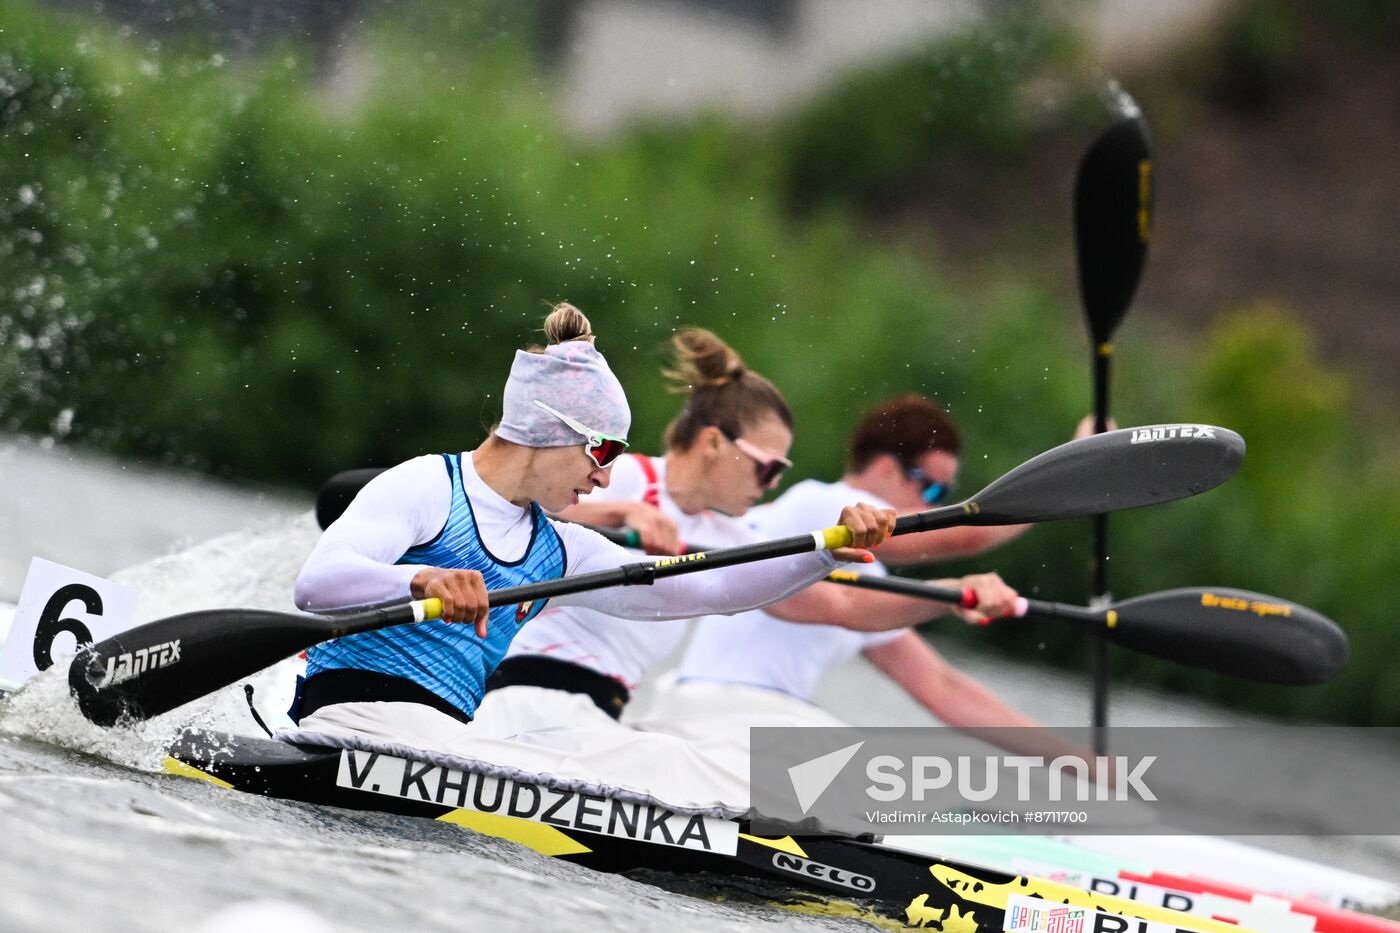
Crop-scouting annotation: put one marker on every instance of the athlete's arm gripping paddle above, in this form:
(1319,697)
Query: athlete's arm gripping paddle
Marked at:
(173,661)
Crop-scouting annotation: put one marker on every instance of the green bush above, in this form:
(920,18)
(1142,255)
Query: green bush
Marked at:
(365,274)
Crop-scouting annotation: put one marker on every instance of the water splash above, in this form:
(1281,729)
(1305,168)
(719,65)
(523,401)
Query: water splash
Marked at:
(1121,102)
(253,568)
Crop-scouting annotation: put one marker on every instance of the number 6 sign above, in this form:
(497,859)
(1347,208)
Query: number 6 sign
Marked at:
(59,609)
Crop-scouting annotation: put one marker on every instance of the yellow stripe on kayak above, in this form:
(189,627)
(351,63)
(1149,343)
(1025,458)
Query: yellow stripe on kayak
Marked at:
(786,844)
(176,766)
(546,840)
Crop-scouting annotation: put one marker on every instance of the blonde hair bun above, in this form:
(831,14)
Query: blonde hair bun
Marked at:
(565,322)
(702,360)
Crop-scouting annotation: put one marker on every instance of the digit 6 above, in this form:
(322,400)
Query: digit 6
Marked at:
(51,623)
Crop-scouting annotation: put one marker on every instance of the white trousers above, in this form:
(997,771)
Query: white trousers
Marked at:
(545,736)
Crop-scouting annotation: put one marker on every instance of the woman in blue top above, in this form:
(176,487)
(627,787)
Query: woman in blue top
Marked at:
(454,526)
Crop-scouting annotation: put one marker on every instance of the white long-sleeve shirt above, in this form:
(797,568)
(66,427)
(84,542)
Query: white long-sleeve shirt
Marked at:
(600,641)
(760,650)
(353,564)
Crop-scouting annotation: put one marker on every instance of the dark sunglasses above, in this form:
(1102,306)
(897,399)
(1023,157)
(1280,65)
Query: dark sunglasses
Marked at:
(932,491)
(768,469)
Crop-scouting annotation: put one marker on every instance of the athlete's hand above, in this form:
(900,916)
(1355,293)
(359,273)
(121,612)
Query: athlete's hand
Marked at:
(869,526)
(658,532)
(995,600)
(1085,427)
(463,594)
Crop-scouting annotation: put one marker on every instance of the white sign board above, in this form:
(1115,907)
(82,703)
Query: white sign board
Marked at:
(59,609)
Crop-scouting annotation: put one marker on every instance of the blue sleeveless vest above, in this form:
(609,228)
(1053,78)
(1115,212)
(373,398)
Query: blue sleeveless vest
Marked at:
(447,658)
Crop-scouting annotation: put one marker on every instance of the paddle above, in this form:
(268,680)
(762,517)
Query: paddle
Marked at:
(1112,221)
(1234,632)
(1127,472)
(1246,635)
(156,667)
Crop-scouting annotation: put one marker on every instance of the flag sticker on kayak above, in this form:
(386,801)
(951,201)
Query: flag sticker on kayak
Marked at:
(1033,915)
(421,781)
(1037,915)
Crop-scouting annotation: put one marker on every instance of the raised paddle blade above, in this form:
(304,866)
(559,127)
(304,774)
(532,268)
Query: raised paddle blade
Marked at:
(1233,632)
(1113,218)
(339,491)
(153,668)
(1109,472)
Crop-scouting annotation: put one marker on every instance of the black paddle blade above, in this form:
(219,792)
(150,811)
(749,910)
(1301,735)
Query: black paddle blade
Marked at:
(1113,219)
(1233,632)
(339,491)
(153,668)
(1110,472)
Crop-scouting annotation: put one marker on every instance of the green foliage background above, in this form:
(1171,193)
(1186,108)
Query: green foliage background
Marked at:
(222,264)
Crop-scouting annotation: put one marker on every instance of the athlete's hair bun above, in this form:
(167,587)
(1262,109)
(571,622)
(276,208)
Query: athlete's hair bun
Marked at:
(701,360)
(565,322)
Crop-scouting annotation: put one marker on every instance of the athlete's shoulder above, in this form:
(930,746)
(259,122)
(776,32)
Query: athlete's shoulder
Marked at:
(420,467)
(419,476)
(811,494)
(586,550)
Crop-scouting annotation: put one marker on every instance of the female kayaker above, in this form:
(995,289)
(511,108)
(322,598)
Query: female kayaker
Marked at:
(905,454)
(728,445)
(454,526)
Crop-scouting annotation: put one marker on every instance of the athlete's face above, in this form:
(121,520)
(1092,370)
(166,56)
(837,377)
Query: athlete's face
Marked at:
(732,469)
(906,493)
(559,475)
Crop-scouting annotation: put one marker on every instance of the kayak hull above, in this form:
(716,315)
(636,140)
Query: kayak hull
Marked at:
(825,874)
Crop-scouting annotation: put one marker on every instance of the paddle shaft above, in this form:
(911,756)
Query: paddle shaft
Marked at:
(1098,582)
(1113,212)
(644,573)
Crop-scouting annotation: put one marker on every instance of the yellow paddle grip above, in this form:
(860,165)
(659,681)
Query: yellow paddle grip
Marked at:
(432,609)
(836,536)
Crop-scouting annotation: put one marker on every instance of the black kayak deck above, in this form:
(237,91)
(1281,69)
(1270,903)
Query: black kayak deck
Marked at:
(828,874)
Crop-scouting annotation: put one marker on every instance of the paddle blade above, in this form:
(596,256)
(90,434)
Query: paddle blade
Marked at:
(153,668)
(1113,219)
(1109,472)
(339,491)
(1233,632)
